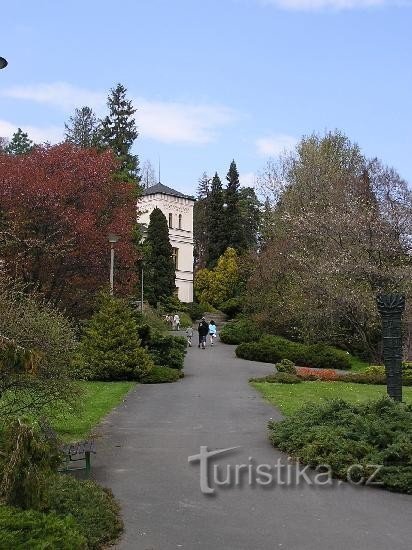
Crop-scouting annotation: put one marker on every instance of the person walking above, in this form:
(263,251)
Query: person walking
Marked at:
(176,322)
(189,336)
(203,330)
(212,332)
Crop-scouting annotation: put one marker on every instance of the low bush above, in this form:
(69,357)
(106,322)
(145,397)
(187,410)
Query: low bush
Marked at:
(286,366)
(94,509)
(342,434)
(278,378)
(308,374)
(167,350)
(160,375)
(239,331)
(232,307)
(272,349)
(185,319)
(29,529)
(195,311)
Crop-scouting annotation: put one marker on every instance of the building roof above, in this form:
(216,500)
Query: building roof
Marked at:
(165,190)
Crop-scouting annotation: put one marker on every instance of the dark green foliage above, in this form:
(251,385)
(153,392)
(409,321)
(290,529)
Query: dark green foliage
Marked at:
(235,231)
(216,223)
(201,222)
(195,311)
(278,378)
(271,349)
(239,331)
(286,366)
(160,375)
(232,307)
(27,459)
(28,529)
(250,212)
(110,347)
(83,128)
(160,269)
(19,144)
(94,509)
(119,132)
(168,351)
(342,434)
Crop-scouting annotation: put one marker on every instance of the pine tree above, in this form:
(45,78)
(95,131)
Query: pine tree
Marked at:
(215,222)
(200,222)
(83,128)
(203,187)
(159,265)
(250,211)
(19,144)
(235,230)
(119,132)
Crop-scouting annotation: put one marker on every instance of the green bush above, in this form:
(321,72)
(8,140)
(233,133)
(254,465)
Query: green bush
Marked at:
(272,349)
(278,378)
(94,509)
(29,529)
(342,434)
(185,320)
(167,350)
(110,348)
(195,311)
(239,331)
(286,366)
(160,375)
(232,307)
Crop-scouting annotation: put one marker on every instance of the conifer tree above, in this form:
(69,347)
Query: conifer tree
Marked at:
(215,222)
(83,128)
(119,132)
(19,144)
(200,222)
(159,265)
(235,230)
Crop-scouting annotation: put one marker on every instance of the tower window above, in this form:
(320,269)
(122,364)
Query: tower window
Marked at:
(175,256)
(180,221)
(170,220)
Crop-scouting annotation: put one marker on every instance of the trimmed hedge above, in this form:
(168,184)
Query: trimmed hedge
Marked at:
(160,375)
(272,349)
(239,331)
(342,434)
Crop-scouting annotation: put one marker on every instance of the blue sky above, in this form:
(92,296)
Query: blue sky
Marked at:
(215,79)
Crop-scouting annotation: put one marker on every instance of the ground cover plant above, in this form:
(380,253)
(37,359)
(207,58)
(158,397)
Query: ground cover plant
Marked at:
(340,434)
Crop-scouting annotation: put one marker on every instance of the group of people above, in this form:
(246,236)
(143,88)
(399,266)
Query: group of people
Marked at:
(204,329)
(173,321)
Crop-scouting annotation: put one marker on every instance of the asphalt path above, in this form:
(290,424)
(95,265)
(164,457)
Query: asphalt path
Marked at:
(143,452)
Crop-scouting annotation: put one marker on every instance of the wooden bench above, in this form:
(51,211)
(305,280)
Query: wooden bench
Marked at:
(73,452)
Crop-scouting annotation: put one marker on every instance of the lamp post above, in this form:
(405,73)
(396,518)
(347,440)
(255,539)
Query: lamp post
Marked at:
(112,240)
(3,63)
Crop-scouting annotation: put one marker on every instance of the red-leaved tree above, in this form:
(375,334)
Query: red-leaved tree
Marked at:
(57,206)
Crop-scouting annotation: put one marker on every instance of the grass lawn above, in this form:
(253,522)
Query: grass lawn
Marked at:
(98,398)
(290,397)
(357,365)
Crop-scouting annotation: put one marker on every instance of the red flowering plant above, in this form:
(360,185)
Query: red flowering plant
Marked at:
(306,373)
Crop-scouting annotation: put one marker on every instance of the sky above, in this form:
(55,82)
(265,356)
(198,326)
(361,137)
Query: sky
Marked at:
(215,80)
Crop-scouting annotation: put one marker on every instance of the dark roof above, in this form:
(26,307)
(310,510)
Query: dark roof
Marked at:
(165,190)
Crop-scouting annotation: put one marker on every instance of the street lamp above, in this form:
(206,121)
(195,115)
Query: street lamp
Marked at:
(112,240)
(3,63)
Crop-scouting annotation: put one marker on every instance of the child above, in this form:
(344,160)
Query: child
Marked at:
(212,331)
(189,336)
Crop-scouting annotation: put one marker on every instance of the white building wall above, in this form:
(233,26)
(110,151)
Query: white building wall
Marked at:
(180,238)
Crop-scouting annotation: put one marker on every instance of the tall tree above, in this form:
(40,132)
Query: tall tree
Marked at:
(250,215)
(235,230)
(119,131)
(216,222)
(200,222)
(20,143)
(159,265)
(83,128)
(147,175)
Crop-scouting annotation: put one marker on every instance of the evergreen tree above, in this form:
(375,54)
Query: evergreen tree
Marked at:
(216,230)
(200,222)
(159,265)
(119,132)
(19,144)
(250,211)
(235,230)
(83,128)
(203,187)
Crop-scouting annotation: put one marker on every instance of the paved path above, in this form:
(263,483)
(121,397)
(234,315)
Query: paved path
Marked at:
(143,457)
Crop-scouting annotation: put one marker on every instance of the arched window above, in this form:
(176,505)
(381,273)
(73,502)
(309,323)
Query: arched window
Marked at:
(170,220)
(180,221)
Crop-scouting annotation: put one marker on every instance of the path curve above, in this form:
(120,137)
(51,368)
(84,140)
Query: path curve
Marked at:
(143,457)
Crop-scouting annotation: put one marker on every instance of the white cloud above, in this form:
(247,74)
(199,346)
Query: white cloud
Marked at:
(310,5)
(165,121)
(52,134)
(275,144)
(248,179)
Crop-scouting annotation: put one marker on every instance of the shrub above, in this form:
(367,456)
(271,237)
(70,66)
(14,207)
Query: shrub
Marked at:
(239,331)
(160,375)
(195,311)
(110,348)
(342,434)
(167,350)
(232,307)
(286,366)
(278,378)
(24,529)
(94,509)
(185,320)
(271,349)
(306,373)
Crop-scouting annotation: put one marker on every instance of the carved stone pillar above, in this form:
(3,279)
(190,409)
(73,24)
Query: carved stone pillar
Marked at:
(391,307)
